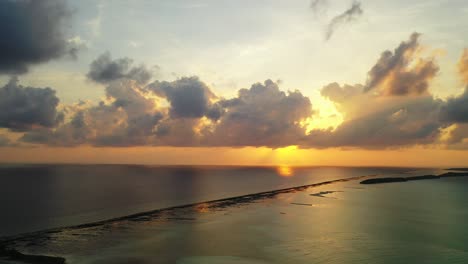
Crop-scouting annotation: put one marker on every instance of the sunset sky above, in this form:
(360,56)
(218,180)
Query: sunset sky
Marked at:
(321,82)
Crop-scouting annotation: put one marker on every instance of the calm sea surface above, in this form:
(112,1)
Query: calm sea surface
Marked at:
(339,222)
(35,197)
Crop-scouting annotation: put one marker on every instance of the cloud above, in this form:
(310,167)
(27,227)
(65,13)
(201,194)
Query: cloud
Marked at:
(188,97)
(375,122)
(23,108)
(456,109)
(401,111)
(346,98)
(261,116)
(463,67)
(128,118)
(318,6)
(457,136)
(402,72)
(390,110)
(336,93)
(352,14)
(179,132)
(32,32)
(5,141)
(105,70)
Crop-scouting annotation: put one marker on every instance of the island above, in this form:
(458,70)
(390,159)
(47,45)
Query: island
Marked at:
(413,178)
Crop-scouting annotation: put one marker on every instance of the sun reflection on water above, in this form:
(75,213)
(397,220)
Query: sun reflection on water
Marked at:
(285,171)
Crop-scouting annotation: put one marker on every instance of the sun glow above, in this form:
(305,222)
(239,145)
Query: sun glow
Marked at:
(285,155)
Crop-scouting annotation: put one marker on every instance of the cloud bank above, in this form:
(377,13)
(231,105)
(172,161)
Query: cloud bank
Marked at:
(393,108)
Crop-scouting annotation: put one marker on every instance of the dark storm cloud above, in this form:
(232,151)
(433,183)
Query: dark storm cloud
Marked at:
(261,116)
(353,13)
(401,73)
(105,70)
(32,32)
(188,97)
(23,108)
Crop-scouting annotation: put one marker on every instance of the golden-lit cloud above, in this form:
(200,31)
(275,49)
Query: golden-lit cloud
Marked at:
(393,109)
(120,110)
(402,72)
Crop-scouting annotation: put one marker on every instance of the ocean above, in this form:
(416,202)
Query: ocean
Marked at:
(36,197)
(334,220)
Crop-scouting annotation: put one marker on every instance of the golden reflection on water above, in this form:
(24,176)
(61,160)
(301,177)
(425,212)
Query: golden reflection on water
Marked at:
(285,171)
(202,208)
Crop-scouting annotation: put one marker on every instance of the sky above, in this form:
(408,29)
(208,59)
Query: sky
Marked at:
(317,82)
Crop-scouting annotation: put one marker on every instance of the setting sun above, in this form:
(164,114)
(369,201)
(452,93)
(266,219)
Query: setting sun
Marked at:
(286,155)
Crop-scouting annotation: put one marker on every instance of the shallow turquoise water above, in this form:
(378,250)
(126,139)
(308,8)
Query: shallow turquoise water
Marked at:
(411,222)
